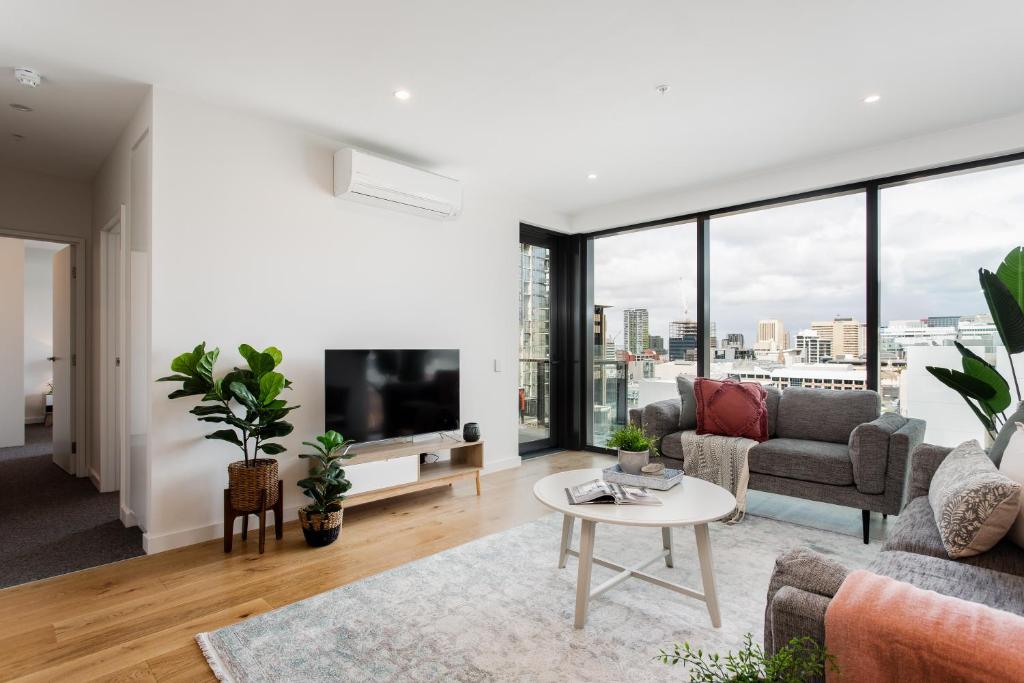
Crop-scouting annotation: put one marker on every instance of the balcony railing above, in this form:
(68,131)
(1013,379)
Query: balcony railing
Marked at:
(534,399)
(611,398)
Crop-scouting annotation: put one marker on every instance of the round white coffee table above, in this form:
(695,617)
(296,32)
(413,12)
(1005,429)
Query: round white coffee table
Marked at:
(693,502)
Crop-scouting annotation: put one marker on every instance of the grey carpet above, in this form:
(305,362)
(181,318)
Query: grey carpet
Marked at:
(38,441)
(52,523)
(499,609)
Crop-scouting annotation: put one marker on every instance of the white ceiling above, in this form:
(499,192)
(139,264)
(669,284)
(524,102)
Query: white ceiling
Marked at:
(537,94)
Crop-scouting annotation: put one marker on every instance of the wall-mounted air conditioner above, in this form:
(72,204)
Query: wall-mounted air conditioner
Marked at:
(369,179)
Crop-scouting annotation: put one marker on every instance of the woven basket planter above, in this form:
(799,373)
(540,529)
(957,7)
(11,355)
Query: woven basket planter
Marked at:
(320,530)
(246,482)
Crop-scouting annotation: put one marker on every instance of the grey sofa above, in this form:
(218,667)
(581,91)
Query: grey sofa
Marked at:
(824,445)
(804,582)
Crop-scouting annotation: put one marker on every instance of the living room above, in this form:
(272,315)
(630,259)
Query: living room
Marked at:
(792,199)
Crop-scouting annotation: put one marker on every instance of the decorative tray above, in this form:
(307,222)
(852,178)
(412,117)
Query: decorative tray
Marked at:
(663,481)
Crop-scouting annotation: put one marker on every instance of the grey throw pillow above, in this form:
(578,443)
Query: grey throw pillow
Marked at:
(974,504)
(688,414)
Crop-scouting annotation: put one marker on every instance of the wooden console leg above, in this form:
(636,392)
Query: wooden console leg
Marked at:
(478,482)
(279,512)
(245,526)
(229,521)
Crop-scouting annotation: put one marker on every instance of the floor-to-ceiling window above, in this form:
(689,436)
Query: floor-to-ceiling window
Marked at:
(934,236)
(788,296)
(644,331)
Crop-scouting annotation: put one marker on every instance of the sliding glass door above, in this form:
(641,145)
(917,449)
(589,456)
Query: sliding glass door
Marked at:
(536,290)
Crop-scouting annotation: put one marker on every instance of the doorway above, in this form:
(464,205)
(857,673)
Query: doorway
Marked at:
(537,398)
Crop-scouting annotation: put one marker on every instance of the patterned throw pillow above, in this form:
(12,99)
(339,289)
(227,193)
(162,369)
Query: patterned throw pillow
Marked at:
(974,504)
(731,408)
(1012,465)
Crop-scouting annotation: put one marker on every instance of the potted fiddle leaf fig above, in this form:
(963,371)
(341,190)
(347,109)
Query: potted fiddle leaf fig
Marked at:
(981,386)
(246,400)
(326,485)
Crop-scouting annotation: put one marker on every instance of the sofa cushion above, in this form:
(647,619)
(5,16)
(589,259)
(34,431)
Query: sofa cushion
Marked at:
(825,414)
(1012,465)
(869,451)
(771,401)
(688,413)
(915,531)
(672,447)
(974,504)
(1003,438)
(817,461)
(955,579)
(728,408)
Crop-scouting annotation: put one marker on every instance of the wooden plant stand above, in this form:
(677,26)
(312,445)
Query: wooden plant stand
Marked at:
(230,513)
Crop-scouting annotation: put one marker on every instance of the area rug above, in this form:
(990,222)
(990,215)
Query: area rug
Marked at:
(499,609)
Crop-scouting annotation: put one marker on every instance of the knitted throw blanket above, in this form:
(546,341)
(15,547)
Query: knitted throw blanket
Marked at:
(721,460)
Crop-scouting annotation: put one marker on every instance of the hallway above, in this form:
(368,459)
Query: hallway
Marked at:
(52,523)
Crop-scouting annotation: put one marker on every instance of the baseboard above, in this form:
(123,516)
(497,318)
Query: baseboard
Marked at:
(158,543)
(505,464)
(95,479)
(128,517)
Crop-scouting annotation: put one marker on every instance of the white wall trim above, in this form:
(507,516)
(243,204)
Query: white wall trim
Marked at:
(128,518)
(503,464)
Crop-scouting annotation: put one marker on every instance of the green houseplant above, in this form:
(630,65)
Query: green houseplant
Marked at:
(981,386)
(326,485)
(247,401)
(634,447)
(802,659)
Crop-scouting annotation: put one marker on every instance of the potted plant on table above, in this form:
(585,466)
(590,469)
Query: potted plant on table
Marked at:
(247,400)
(326,485)
(634,447)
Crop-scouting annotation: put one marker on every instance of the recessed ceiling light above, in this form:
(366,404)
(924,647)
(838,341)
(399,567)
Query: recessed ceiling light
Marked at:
(28,77)
(871,99)
(403,94)
(21,107)
(591,176)
(662,89)
(17,137)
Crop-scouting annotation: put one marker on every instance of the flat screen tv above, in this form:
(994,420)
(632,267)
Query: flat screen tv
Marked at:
(371,395)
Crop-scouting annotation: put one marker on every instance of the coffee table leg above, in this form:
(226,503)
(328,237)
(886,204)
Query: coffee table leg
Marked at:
(583,577)
(563,550)
(707,572)
(666,543)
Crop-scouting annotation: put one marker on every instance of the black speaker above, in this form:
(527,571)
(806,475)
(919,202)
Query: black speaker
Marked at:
(471,432)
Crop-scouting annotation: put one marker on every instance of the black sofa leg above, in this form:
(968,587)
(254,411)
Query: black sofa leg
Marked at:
(866,518)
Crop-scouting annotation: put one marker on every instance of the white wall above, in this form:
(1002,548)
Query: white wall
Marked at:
(12,303)
(43,205)
(112,187)
(990,138)
(38,330)
(249,245)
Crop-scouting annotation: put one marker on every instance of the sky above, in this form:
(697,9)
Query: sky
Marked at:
(806,262)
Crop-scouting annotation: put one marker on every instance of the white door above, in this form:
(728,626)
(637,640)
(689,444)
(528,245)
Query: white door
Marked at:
(62,349)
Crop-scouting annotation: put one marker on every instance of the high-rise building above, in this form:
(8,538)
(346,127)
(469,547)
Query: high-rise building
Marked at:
(769,331)
(658,344)
(600,330)
(682,340)
(848,336)
(942,320)
(813,349)
(714,335)
(734,340)
(635,327)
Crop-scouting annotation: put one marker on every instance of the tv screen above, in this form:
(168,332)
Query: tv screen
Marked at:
(385,393)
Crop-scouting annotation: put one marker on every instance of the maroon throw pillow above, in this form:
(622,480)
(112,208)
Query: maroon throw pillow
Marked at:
(731,408)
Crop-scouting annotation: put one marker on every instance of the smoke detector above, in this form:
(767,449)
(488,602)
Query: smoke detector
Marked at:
(28,77)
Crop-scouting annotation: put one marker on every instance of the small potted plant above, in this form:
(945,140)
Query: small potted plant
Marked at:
(800,660)
(246,400)
(634,447)
(326,485)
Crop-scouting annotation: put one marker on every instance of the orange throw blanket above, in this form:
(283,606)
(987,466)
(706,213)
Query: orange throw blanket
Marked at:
(880,629)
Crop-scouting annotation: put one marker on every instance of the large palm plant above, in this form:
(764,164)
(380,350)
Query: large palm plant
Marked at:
(985,390)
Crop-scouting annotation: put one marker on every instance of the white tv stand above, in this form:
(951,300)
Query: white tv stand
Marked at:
(467,459)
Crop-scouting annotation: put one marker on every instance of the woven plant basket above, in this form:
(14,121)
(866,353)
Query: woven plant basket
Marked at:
(320,530)
(246,482)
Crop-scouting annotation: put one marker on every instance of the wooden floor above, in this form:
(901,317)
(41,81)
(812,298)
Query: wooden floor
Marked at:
(135,620)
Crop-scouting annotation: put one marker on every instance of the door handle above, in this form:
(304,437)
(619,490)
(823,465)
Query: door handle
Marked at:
(51,358)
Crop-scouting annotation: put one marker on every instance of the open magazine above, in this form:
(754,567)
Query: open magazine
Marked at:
(600,491)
